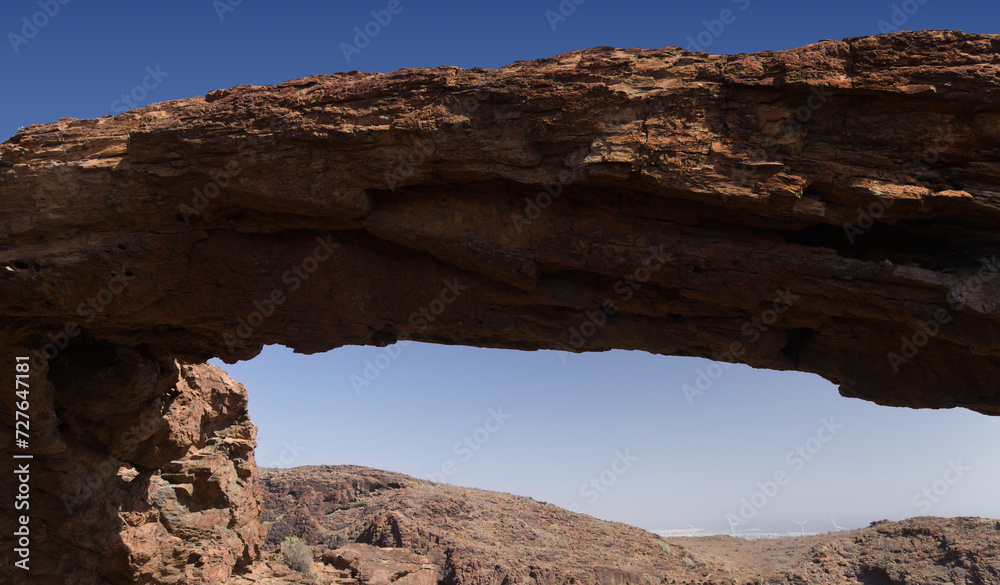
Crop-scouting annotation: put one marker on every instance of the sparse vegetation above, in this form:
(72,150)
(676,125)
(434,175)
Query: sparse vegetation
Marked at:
(517,532)
(269,523)
(297,554)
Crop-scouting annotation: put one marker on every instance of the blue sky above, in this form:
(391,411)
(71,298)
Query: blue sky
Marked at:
(610,434)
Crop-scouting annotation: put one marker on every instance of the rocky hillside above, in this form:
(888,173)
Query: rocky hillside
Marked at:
(369,526)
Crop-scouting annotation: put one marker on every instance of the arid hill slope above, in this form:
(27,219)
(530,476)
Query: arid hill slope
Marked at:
(476,537)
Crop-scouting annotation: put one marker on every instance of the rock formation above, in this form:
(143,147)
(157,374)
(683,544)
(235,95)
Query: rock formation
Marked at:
(475,537)
(830,209)
(143,472)
(352,564)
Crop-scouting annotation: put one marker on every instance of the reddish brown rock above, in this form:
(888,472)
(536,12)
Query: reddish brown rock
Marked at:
(353,564)
(476,537)
(383,566)
(143,472)
(199,518)
(473,536)
(831,209)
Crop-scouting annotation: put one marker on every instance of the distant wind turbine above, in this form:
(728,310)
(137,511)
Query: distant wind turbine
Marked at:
(802,525)
(836,528)
(732,524)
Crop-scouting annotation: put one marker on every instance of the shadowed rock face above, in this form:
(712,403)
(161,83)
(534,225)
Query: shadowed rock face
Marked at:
(830,209)
(143,471)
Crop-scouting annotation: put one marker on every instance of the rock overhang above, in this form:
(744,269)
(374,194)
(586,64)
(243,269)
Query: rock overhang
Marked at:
(830,209)
(856,177)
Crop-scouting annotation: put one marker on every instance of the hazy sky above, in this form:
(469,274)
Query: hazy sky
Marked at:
(611,434)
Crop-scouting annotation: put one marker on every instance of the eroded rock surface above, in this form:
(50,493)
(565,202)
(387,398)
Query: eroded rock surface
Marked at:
(143,472)
(831,208)
(474,536)
(198,519)
(352,564)
(477,537)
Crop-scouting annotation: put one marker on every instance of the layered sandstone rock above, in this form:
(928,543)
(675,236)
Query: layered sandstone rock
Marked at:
(830,209)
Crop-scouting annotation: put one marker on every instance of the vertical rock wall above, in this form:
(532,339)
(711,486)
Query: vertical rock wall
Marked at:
(142,470)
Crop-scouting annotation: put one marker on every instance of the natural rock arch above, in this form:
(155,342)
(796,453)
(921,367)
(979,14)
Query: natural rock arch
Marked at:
(830,209)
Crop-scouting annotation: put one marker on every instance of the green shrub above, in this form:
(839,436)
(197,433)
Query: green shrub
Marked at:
(297,554)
